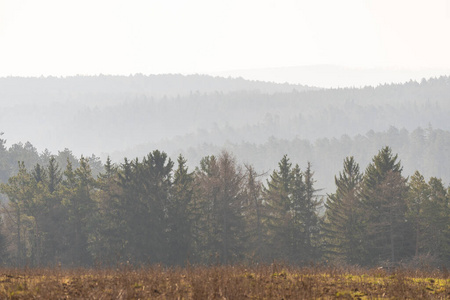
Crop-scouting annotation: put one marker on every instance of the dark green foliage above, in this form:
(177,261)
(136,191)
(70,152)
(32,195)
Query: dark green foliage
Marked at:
(108,234)
(181,216)
(54,175)
(255,211)
(142,205)
(418,195)
(429,216)
(54,214)
(39,174)
(384,206)
(81,210)
(146,211)
(222,229)
(344,222)
(19,190)
(277,198)
(293,220)
(310,218)
(436,211)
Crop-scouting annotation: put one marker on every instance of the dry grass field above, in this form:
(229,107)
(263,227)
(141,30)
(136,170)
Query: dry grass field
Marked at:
(222,282)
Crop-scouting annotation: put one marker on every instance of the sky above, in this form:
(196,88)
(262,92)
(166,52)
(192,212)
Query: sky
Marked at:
(65,37)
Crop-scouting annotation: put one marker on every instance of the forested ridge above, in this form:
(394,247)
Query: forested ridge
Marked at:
(156,210)
(424,149)
(126,116)
(245,173)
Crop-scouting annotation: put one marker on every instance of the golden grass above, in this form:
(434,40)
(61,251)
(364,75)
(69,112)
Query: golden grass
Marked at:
(221,282)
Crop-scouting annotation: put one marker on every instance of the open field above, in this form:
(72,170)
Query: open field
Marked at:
(222,282)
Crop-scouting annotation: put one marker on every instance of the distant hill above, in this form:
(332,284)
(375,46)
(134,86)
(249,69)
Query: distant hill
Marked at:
(426,150)
(199,115)
(108,89)
(132,115)
(332,76)
(254,117)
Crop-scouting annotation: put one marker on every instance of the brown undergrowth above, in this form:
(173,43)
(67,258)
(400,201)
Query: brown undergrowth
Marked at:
(274,281)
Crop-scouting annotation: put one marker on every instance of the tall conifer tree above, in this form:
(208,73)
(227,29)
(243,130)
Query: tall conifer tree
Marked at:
(277,198)
(384,201)
(181,215)
(343,216)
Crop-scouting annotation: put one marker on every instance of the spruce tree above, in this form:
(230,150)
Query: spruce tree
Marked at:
(54,223)
(277,198)
(108,235)
(143,200)
(54,174)
(310,216)
(81,209)
(384,201)
(437,213)
(181,215)
(221,190)
(343,221)
(418,195)
(296,226)
(20,193)
(255,212)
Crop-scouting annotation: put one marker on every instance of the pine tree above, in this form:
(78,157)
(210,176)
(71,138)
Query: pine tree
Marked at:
(418,195)
(20,193)
(181,216)
(255,212)
(54,174)
(343,222)
(277,198)
(108,236)
(143,202)
(125,211)
(39,173)
(384,201)
(221,191)
(297,227)
(54,215)
(436,212)
(156,177)
(81,210)
(311,220)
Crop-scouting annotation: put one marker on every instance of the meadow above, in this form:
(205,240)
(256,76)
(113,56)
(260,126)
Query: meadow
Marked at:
(275,281)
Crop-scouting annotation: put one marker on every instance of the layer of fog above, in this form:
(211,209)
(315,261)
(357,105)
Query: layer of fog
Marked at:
(196,115)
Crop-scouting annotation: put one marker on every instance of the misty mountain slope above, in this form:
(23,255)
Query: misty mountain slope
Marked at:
(106,114)
(109,89)
(254,117)
(426,150)
(336,76)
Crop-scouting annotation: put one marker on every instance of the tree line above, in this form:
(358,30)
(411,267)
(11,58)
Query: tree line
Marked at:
(155,210)
(424,149)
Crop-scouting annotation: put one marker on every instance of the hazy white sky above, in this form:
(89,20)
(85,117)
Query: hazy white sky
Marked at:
(62,37)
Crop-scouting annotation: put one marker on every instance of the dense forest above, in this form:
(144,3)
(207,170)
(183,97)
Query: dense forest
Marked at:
(125,116)
(251,172)
(426,150)
(197,115)
(156,210)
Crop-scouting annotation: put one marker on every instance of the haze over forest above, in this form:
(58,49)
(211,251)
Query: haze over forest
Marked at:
(199,115)
(268,181)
